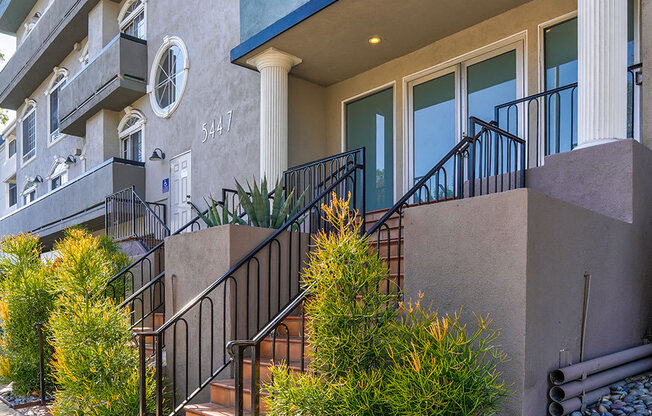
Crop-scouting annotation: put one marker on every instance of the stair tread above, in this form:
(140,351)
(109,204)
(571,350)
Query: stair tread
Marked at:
(230,385)
(211,409)
(283,338)
(294,364)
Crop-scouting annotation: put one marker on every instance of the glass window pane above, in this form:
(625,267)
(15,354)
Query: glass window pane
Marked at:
(29,135)
(54,111)
(434,128)
(490,83)
(370,124)
(560,54)
(13,194)
(12,148)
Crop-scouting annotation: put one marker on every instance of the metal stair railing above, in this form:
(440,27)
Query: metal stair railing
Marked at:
(548,120)
(240,302)
(490,160)
(129,216)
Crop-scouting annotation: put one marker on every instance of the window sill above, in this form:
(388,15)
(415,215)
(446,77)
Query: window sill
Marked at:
(60,137)
(28,161)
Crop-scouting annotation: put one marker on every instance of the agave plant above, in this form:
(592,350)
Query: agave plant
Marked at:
(214,217)
(261,213)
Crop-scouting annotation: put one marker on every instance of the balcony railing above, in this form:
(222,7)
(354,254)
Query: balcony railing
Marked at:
(115,78)
(79,201)
(548,120)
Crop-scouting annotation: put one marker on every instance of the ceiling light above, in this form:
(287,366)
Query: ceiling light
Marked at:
(375,40)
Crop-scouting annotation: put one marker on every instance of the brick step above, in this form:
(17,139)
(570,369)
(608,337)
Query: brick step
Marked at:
(265,365)
(223,393)
(294,324)
(268,352)
(387,247)
(210,409)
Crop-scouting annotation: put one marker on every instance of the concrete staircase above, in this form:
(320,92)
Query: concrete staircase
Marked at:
(222,392)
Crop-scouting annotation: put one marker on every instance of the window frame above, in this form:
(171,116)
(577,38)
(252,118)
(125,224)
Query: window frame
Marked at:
(125,133)
(28,111)
(58,80)
(168,42)
(58,170)
(15,188)
(125,20)
(29,190)
(11,148)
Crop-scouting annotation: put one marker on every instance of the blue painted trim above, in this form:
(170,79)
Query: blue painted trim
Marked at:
(293,18)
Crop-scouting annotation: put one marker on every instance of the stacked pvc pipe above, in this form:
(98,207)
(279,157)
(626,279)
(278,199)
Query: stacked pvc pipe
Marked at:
(586,382)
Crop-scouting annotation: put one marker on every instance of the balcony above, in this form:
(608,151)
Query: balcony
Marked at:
(62,24)
(112,80)
(79,201)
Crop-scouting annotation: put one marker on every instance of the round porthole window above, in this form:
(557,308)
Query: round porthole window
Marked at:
(168,76)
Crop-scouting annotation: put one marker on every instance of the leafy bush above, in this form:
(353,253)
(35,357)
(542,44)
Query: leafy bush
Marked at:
(256,204)
(25,299)
(370,357)
(95,365)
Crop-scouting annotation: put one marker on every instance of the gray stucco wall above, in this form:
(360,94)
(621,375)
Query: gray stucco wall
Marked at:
(522,257)
(193,261)
(214,87)
(646,59)
(256,15)
(573,177)
(473,254)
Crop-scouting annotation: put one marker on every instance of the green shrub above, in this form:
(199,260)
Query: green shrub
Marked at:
(25,299)
(95,364)
(372,359)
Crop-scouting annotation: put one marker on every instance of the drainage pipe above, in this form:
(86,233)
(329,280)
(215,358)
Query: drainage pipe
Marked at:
(577,371)
(571,405)
(575,388)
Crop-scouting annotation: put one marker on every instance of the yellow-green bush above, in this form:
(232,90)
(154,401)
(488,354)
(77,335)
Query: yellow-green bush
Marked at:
(25,299)
(372,359)
(95,365)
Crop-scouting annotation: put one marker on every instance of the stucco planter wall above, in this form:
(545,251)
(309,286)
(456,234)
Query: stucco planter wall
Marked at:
(522,257)
(194,261)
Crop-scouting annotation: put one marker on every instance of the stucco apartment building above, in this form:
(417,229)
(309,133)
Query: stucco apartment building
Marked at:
(171,100)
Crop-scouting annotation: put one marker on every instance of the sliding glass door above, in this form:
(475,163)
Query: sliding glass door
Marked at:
(442,101)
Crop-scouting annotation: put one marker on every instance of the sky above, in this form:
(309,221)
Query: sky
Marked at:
(7,47)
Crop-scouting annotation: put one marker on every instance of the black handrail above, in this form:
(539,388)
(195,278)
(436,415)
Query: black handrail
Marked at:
(471,149)
(306,221)
(545,124)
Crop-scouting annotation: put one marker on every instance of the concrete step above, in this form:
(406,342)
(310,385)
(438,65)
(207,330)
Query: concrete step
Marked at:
(268,352)
(223,394)
(265,368)
(211,409)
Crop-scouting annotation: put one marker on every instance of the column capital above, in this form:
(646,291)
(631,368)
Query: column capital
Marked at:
(273,57)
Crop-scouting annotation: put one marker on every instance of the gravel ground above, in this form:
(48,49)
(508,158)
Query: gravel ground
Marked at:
(35,411)
(632,396)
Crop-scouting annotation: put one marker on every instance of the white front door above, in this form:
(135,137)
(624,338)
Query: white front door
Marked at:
(180,191)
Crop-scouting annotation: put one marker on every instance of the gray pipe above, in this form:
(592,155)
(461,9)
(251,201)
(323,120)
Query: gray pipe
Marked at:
(575,388)
(576,371)
(571,405)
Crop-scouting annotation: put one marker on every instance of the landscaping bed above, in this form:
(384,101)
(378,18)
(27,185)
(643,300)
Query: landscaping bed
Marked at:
(632,396)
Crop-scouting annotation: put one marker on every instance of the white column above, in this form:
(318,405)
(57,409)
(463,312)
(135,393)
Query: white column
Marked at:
(274,66)
(602,71)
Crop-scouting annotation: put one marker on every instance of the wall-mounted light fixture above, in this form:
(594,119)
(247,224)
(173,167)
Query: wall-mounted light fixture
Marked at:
(70,160)
(38,179)
(158,154)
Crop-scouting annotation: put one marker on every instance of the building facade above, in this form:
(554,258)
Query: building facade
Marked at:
(174,100)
